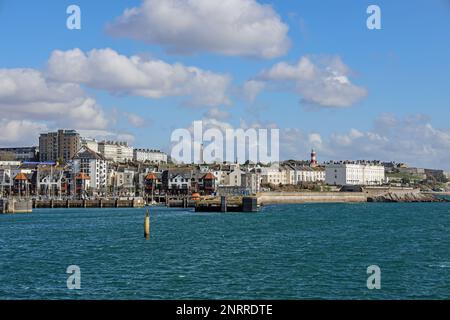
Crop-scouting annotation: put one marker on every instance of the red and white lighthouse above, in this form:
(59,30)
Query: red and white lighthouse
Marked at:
(313,162)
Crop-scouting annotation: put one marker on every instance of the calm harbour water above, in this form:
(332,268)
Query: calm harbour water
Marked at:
(283,252)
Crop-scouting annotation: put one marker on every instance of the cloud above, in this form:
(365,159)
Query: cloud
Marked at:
(26,94)
(218,114)
(31,104)
(108,70)
(20,132)
(252,88)
(108,135)
(228,27)
(411,139)
(321,82)
(135,120)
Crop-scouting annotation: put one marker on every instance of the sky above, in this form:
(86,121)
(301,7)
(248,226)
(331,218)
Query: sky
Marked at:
(139,69)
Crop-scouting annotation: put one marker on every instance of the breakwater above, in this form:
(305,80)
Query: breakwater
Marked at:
(367,195)
(267,198)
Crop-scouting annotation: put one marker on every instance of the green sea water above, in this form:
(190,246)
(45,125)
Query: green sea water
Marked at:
(310,251)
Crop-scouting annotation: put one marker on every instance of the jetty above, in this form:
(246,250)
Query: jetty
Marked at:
(13,205)
(227,204)
(97,203)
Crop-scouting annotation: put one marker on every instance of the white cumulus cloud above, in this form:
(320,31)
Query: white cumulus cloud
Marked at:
(323,82)
(108,70)
(20,132)
(29,95)
(228,27)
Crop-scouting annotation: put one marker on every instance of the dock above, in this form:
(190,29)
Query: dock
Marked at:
(228,204)
(98,203)
(12,206)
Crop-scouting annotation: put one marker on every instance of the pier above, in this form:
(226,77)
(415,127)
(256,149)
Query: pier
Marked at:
(228,204)
(98,203)
(15,206)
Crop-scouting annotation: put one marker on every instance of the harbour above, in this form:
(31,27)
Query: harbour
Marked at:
(289,251)
(227,203)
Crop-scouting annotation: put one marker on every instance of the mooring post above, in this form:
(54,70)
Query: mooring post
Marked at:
(223,204)
(147,225)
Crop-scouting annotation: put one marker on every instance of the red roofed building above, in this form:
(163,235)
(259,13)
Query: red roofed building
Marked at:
(21,184)
(209,183)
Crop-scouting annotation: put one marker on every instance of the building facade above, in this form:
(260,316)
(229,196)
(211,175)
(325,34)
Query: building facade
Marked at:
(274,175)
(116,151)
(61,145)
(27,154)
(304,174)
(152,156)
(354,173)
(93,165)
(90,143)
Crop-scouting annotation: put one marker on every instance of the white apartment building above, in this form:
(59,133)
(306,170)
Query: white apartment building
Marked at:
(116,151)
(234,178)
(346,173)
(93,164)
(90,143)
(309,174)
(274,175)
(153,156)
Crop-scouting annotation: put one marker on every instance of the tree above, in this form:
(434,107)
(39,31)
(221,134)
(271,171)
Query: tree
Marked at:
(406,180)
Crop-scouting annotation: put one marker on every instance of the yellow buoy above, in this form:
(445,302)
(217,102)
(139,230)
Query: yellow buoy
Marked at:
(147,225)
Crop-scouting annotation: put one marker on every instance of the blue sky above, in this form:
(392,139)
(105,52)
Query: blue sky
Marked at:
(403,70)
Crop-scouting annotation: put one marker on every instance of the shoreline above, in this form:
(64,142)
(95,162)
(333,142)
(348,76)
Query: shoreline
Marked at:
(262,199)
(271,198)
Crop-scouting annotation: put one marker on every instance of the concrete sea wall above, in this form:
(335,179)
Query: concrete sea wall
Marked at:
(16,206)
(305,197)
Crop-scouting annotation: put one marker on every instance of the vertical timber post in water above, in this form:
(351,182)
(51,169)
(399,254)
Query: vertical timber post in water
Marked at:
(223,204)
(147,225)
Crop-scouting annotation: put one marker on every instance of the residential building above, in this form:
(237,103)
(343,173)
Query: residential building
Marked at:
(50,180)
(354,173)
(251,181)
(275,175)
(92,164)
(116,151)
(152,156)
(61,145)
(10,163)
(90,143)
(27,154)
(234,178)
(305,174)
(178,181)
(6,180)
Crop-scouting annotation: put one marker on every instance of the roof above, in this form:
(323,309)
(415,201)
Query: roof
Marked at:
(21,176)
(209,176)
(151,176)
(182,172)
(82,176)
(86,153)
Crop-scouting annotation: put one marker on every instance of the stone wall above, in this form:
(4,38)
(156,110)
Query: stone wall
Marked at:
(305,197)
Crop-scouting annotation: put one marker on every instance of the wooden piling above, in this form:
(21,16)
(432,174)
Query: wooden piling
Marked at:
(223,204)
(147,225)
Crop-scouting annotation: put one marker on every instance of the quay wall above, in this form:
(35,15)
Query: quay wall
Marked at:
(266,198)
(100,203)
(16,206)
